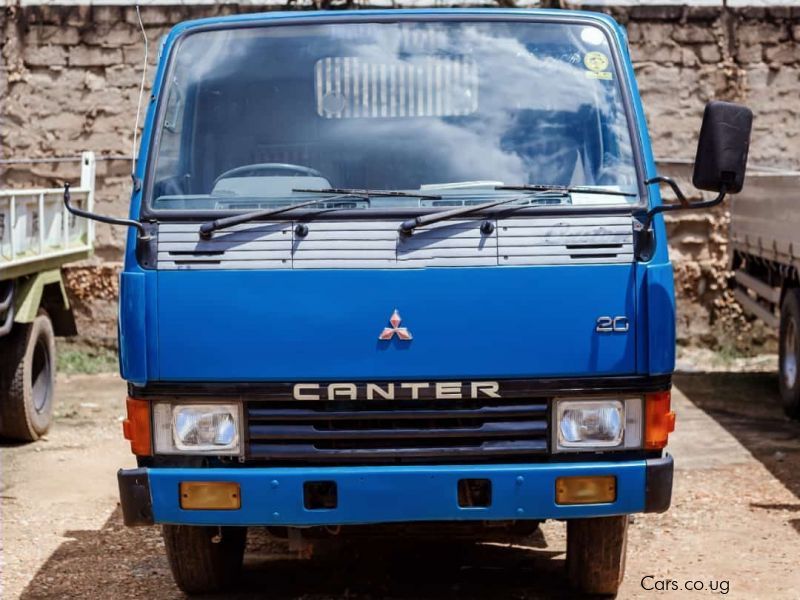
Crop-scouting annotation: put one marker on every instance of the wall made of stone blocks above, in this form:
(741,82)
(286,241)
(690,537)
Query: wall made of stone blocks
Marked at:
(71,75)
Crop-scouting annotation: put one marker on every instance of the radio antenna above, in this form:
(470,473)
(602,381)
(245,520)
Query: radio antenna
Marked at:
(139,103)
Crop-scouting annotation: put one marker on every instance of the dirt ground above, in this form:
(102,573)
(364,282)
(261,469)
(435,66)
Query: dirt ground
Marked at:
(734,524)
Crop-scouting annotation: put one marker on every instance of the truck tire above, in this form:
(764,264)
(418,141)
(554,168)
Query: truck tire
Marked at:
(199,563)
(27,380)
(789,353)
(596,550)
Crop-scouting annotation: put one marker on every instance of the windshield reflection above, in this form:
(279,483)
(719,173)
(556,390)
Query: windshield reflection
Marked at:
(389,106)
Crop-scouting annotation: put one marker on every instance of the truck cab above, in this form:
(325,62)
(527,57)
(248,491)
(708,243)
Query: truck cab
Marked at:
(396,267)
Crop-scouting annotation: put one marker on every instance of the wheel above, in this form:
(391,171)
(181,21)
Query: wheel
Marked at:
(596,551)
(204,559)
(27,379)
(789,381)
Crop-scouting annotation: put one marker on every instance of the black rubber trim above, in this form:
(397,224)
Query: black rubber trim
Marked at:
(509,388)
(134,497)
(658,494)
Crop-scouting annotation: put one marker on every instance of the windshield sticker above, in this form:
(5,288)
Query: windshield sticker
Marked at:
(596,63)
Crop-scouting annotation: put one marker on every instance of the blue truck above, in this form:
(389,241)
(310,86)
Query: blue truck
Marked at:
(401,267)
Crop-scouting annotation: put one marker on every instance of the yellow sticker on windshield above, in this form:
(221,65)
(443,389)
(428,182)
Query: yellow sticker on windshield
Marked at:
(595,61)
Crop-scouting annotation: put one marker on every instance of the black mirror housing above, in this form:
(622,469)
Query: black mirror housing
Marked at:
(722,147)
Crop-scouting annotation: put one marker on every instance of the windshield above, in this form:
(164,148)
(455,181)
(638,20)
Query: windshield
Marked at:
(450,109)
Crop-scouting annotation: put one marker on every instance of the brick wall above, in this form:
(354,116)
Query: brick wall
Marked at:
(71,73)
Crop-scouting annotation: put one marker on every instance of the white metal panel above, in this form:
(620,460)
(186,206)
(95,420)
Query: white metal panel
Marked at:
(35,227)
(364,244)
(245,246)
(565,240)
(346,245)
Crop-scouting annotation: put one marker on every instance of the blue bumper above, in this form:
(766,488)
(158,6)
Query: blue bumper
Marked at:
(275,496)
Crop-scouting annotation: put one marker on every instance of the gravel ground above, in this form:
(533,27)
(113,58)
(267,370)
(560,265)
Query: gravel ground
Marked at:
(734,523)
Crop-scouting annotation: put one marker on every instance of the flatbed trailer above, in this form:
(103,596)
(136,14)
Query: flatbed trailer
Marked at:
(765,255)
(38,236)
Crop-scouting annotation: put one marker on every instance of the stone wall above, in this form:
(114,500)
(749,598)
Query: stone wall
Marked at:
(71,74)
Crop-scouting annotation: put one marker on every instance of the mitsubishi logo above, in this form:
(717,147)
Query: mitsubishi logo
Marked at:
(388,332)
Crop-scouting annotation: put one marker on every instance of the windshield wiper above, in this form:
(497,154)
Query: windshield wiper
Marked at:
(206,229)
(368,193)
(408,226)
(564,189)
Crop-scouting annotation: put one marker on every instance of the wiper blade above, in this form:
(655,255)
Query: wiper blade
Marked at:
(408,226)
(368,193)
(206,229)
(562,189)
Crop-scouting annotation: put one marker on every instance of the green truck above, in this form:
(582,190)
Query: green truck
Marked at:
(37,237)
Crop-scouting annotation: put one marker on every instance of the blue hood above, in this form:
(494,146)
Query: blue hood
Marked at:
(325,325)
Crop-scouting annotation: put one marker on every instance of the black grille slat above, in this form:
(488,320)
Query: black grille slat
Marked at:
(352,431)
(299,414)
(306,432)
(310,452)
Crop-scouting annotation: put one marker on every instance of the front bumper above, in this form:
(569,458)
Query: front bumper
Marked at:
(368,495)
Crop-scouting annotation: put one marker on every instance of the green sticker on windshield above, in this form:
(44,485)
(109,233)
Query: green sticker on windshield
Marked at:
(597,63)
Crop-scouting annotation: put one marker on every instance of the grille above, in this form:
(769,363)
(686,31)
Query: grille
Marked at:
(567,240)
(351,431)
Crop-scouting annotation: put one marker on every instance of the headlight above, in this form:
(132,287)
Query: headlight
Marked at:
(597,424)
(196,428)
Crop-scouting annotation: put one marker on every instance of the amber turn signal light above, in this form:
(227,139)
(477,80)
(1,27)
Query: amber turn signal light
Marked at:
(210,495)
(659,420)
(136,427)
(599,489)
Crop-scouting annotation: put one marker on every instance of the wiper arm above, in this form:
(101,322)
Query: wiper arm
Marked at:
(408,226)
(564,189)
(368,193)
(206,229)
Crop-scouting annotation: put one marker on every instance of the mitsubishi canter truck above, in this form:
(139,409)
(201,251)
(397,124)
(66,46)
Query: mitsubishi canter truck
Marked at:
(401,267)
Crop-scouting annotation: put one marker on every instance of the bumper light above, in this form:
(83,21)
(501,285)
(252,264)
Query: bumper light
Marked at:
(210,495)
(196,428)
(586,490)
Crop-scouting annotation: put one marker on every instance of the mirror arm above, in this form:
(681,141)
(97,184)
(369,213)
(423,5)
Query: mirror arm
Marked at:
(683,202)
(142,232)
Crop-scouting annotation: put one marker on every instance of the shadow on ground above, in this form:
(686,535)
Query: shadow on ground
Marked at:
(119,562)
(748,406)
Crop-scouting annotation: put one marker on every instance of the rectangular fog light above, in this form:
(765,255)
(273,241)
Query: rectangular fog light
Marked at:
(586,490)
(210,495)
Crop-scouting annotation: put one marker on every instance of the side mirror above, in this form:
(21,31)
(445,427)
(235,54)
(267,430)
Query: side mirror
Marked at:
(721,159)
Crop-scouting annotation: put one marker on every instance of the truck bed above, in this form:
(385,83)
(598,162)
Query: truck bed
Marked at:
(36,231)
(765,241)
(765,217)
